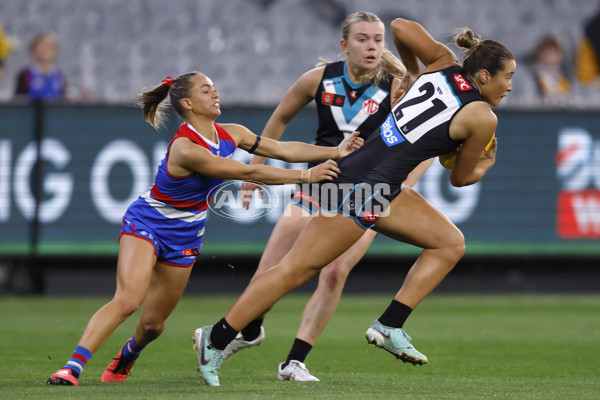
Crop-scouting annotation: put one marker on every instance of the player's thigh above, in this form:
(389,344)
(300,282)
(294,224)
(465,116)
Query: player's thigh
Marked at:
(412,219)
(324,239)
(348,260)
(287,229)
(166,288)
(135,266)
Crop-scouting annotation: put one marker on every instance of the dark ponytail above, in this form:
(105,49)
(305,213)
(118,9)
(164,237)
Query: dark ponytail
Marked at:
(481,54)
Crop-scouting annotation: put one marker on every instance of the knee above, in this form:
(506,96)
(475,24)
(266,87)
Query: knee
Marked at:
(308,273)
(152,329)
(126,305)
(333,277)
(298,274)
(455,246)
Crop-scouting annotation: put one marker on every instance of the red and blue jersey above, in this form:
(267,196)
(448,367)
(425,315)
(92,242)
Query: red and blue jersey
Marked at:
(190,192)
(34,82)
(173,211)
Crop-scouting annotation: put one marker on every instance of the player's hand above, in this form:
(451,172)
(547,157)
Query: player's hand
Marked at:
(349,144)
(397,95)
(248,189)
(325,171)
(405,84)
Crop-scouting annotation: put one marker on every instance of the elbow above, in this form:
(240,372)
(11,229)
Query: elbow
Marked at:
(458,182)
(283,153)
(253,173)
(249,172)
(291,157)
(288,158)
(398,24)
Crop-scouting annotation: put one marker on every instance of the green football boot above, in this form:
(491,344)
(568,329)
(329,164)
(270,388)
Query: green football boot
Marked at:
(209,358)
(395,341)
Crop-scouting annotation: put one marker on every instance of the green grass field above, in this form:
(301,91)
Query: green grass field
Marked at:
(479,347)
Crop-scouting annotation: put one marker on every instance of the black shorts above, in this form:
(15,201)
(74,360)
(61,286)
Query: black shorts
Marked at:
(363,202)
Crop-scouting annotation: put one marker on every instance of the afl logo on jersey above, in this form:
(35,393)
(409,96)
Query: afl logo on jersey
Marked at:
(332,99)
(370,106)
(462,83)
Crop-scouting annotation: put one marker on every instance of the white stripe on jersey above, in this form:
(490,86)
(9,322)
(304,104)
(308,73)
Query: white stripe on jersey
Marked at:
(338,113)
(171,212)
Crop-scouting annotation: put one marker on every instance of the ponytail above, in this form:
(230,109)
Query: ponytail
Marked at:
(152,105)
(481,54)
(151,101)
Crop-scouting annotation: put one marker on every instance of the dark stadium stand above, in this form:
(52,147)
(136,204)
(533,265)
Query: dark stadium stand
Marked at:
(254,49)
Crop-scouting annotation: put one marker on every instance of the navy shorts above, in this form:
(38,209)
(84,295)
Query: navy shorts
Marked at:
(164,254)
(363,202)
(302,198)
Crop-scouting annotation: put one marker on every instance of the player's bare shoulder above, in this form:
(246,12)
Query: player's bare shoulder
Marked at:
(309,81)
(313,75)
(235,129)
(482,115)
(239,133)
(474,116)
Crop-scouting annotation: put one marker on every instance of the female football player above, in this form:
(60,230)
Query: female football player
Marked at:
(447,105)
(162,231)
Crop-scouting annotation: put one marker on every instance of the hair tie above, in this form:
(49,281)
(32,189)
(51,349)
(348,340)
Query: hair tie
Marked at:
(168,81)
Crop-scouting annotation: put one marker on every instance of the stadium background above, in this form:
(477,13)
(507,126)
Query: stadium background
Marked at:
(532,224)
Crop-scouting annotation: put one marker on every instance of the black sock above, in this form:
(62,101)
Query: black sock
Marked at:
(252,330)
(222,334)
(299,351)
(396,314)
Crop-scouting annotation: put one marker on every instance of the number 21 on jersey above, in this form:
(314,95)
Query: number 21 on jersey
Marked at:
(428,104)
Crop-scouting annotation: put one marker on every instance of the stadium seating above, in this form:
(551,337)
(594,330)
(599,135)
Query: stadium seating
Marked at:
(253,49)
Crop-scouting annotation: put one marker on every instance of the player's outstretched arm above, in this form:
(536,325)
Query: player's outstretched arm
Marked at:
(186,157)
(290,151)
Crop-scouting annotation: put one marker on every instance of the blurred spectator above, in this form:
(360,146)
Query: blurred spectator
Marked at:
(587,61)
(549,73)
(7,45)
(42,78)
